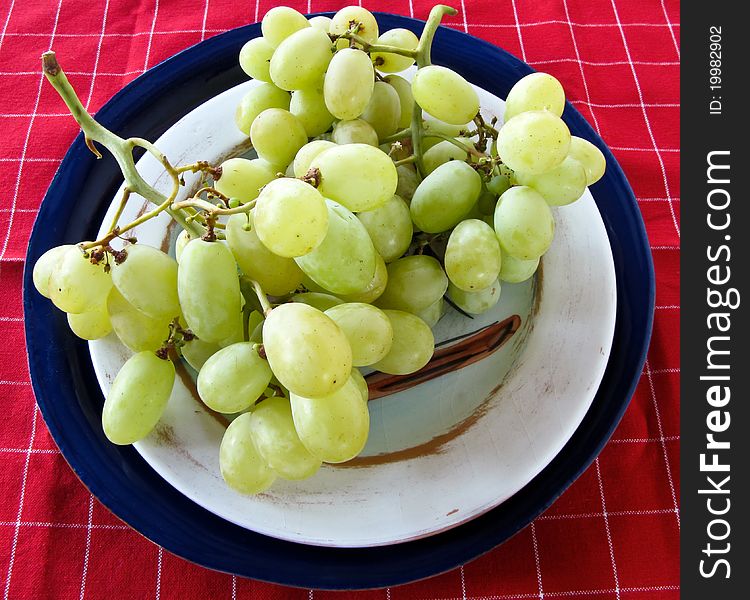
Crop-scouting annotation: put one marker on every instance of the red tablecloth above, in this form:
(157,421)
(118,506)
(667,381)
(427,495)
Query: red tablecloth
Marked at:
(613,534)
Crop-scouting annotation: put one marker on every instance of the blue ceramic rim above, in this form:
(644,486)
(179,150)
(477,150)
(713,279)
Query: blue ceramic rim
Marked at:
(69,397)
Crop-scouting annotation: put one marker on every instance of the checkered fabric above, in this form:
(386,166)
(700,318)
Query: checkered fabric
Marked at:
(613,535)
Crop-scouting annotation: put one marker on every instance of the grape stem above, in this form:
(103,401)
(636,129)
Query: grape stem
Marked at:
(465,147)
(262,298)
(370,47)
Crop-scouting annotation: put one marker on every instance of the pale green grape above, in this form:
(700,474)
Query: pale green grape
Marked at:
(356,175)
(445,94)
(475,303)
(309,106)
(270,143)
(183,238)
(361,384)
(344,262)
(255,58)
(75,284)
(196,352)
(375,288)
(536,91)
(408,181)
(44,267)
(319,300)
(534,141)
(414,283)
(405,97)
(515,270)
(242,178)
(559,186)
(367,25)
(348,83)
(498,184)
(136,330)
(433,313)
(237,335)
(277,275)
(307,351)
(301,60)
(333,427)
(431,124)
(137,398)
(413,344)
(444,152)
(387,62)
(276,439)
(280,22)
(590,157)
(367,328)
(389,227)
(147,278)
(91,325)
(233,378)
(209,290)
(355,131)
(321,22)
(472,257)
(383,111)
(445,196)
(291,217)
(524,223)
(259,98)
(241,464)
(306,155)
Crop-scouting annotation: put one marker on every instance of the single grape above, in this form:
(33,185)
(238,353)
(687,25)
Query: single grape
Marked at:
(301,60)
(388,62)
(414,283)
(444,152)
(44,267)
(264,134)
(280,22)
(137,398)
(91,325)
(486,204)
(348,83)
(383,111)
(183,238)
(319,300)
(255,58)
(375,288)
(472,257)
(367,328)
(536,91)
(534,141)
(77,285)
(306,155)
(433,313)
(241,464)
(408,181)
(559,186)
(359,380)
(413,344)
(475,303)
(242,178)
(445,94)
(259,98)
(366,25)
(498,184)
(321,22)
(405,97)
(524,223)
(355,131)
(307,351)
(309,106)
(196,352)
(290,217)
(590,157)
(516,270)
(389,227)
(136,330)
(433,125)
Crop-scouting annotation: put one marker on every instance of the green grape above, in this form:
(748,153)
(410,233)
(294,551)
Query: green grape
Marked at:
(333,427)
(472,257)
(233,378)
(498,184)
(560,186)
(183,238)
(408,181)
(277,275)
(267,141)
(306,155)
(413,344)
(486,204)
(44,267)
(301,60)
(445,196)
(444,152)
(387,62)
(238,334)
(375,288)
(147,278)
(524,223)
(280,22)
(367,328)
(355,131)
(383,111)
(242,178)
(319,300)
(137,398)
(259,98)
(321,22)
(445,94)
(405,97)
(356,175)
(414,283)
(359,380)
(590,157)
(515,270)
(241,464)
(276,439)
(209,290)
(91,325)
(344,262)
(475,303)
(75,284)
(348,83)
(307,351)
(196,352)
(309,106)
(433,125)
(255,57)
(534,141)
(389,227)
(537,91)
(291,217)
(368,26)
(136,330)
(433,313)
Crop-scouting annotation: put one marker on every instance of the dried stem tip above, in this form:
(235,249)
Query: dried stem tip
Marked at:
(50,64)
